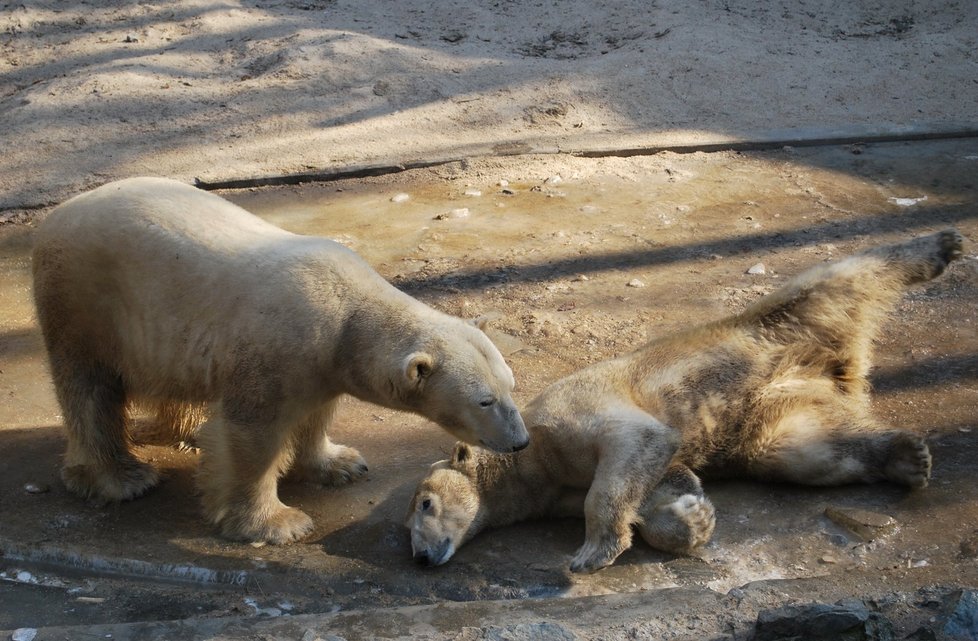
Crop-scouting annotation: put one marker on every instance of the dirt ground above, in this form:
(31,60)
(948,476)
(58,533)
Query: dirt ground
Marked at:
(577,259)
(574,270)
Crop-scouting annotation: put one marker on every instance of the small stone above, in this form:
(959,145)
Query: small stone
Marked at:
(635,283)
(503,183)
(24,634)
(829,559)
(589,209)
(36,488)
(969,546)
(553,180)
(868,525)
(90,599)
(757,270)
(473,192)
(580,278)
(462,212)
(400,198)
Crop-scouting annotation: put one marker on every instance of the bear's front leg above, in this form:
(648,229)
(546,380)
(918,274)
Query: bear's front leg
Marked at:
(636,451)
(238,478)
(317,459)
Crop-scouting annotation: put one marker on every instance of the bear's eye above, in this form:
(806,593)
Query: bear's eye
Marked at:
(489,402)
(426,505)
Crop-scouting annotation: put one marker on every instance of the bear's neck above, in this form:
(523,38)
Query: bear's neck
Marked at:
(377,335)
(512,487)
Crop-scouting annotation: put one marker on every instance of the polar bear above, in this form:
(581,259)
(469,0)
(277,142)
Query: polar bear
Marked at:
(154,293)
(777,392)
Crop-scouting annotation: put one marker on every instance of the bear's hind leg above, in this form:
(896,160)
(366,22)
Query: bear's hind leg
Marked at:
(923,258)
(676,516)
(98,464)
(238,478)
(635,452)
(803,451)
(318,459)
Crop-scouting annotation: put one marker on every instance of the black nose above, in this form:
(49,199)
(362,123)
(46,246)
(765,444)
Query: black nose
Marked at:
(517,448)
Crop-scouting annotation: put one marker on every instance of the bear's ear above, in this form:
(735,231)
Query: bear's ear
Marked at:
(417,367)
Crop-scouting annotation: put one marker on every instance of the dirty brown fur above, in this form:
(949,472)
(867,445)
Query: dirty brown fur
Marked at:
(778,392)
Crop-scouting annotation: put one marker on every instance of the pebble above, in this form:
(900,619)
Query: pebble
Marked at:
(462,212)
(400,198)
(969,546)
(24,634)
(635,283)
(589,209)
(36,488)
(580,278)
(907,202)
(503,183)
(868,525)
(553,180)
(757,270)
(473,192)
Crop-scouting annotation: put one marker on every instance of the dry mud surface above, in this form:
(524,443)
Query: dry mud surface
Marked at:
(574,269)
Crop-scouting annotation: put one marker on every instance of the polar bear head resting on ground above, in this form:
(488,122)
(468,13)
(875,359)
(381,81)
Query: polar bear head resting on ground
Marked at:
(444,512)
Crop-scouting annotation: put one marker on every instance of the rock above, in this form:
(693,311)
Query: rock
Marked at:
(473,192)
(635,283)
(36,488)
(969,546)
(520,632)
(400,198)
(553,180)
(24,634)
(963,622)
(462,212)
(867,525)
(757,270)
(821,622)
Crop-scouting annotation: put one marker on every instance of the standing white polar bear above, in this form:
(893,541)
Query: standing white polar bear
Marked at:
(777,392)
(153,292)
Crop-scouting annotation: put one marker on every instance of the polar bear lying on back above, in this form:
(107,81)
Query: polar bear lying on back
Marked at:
(151,291)
(777,392)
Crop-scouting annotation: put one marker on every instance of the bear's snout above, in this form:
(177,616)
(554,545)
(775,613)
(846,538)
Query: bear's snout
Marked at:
(435,554)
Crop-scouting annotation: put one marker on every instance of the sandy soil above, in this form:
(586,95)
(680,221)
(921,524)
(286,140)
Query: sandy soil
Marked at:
(220,89)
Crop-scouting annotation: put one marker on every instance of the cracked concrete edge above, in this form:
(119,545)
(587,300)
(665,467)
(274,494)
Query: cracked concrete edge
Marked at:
(689,613)
(613,144)
(580,617)
(628,145)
